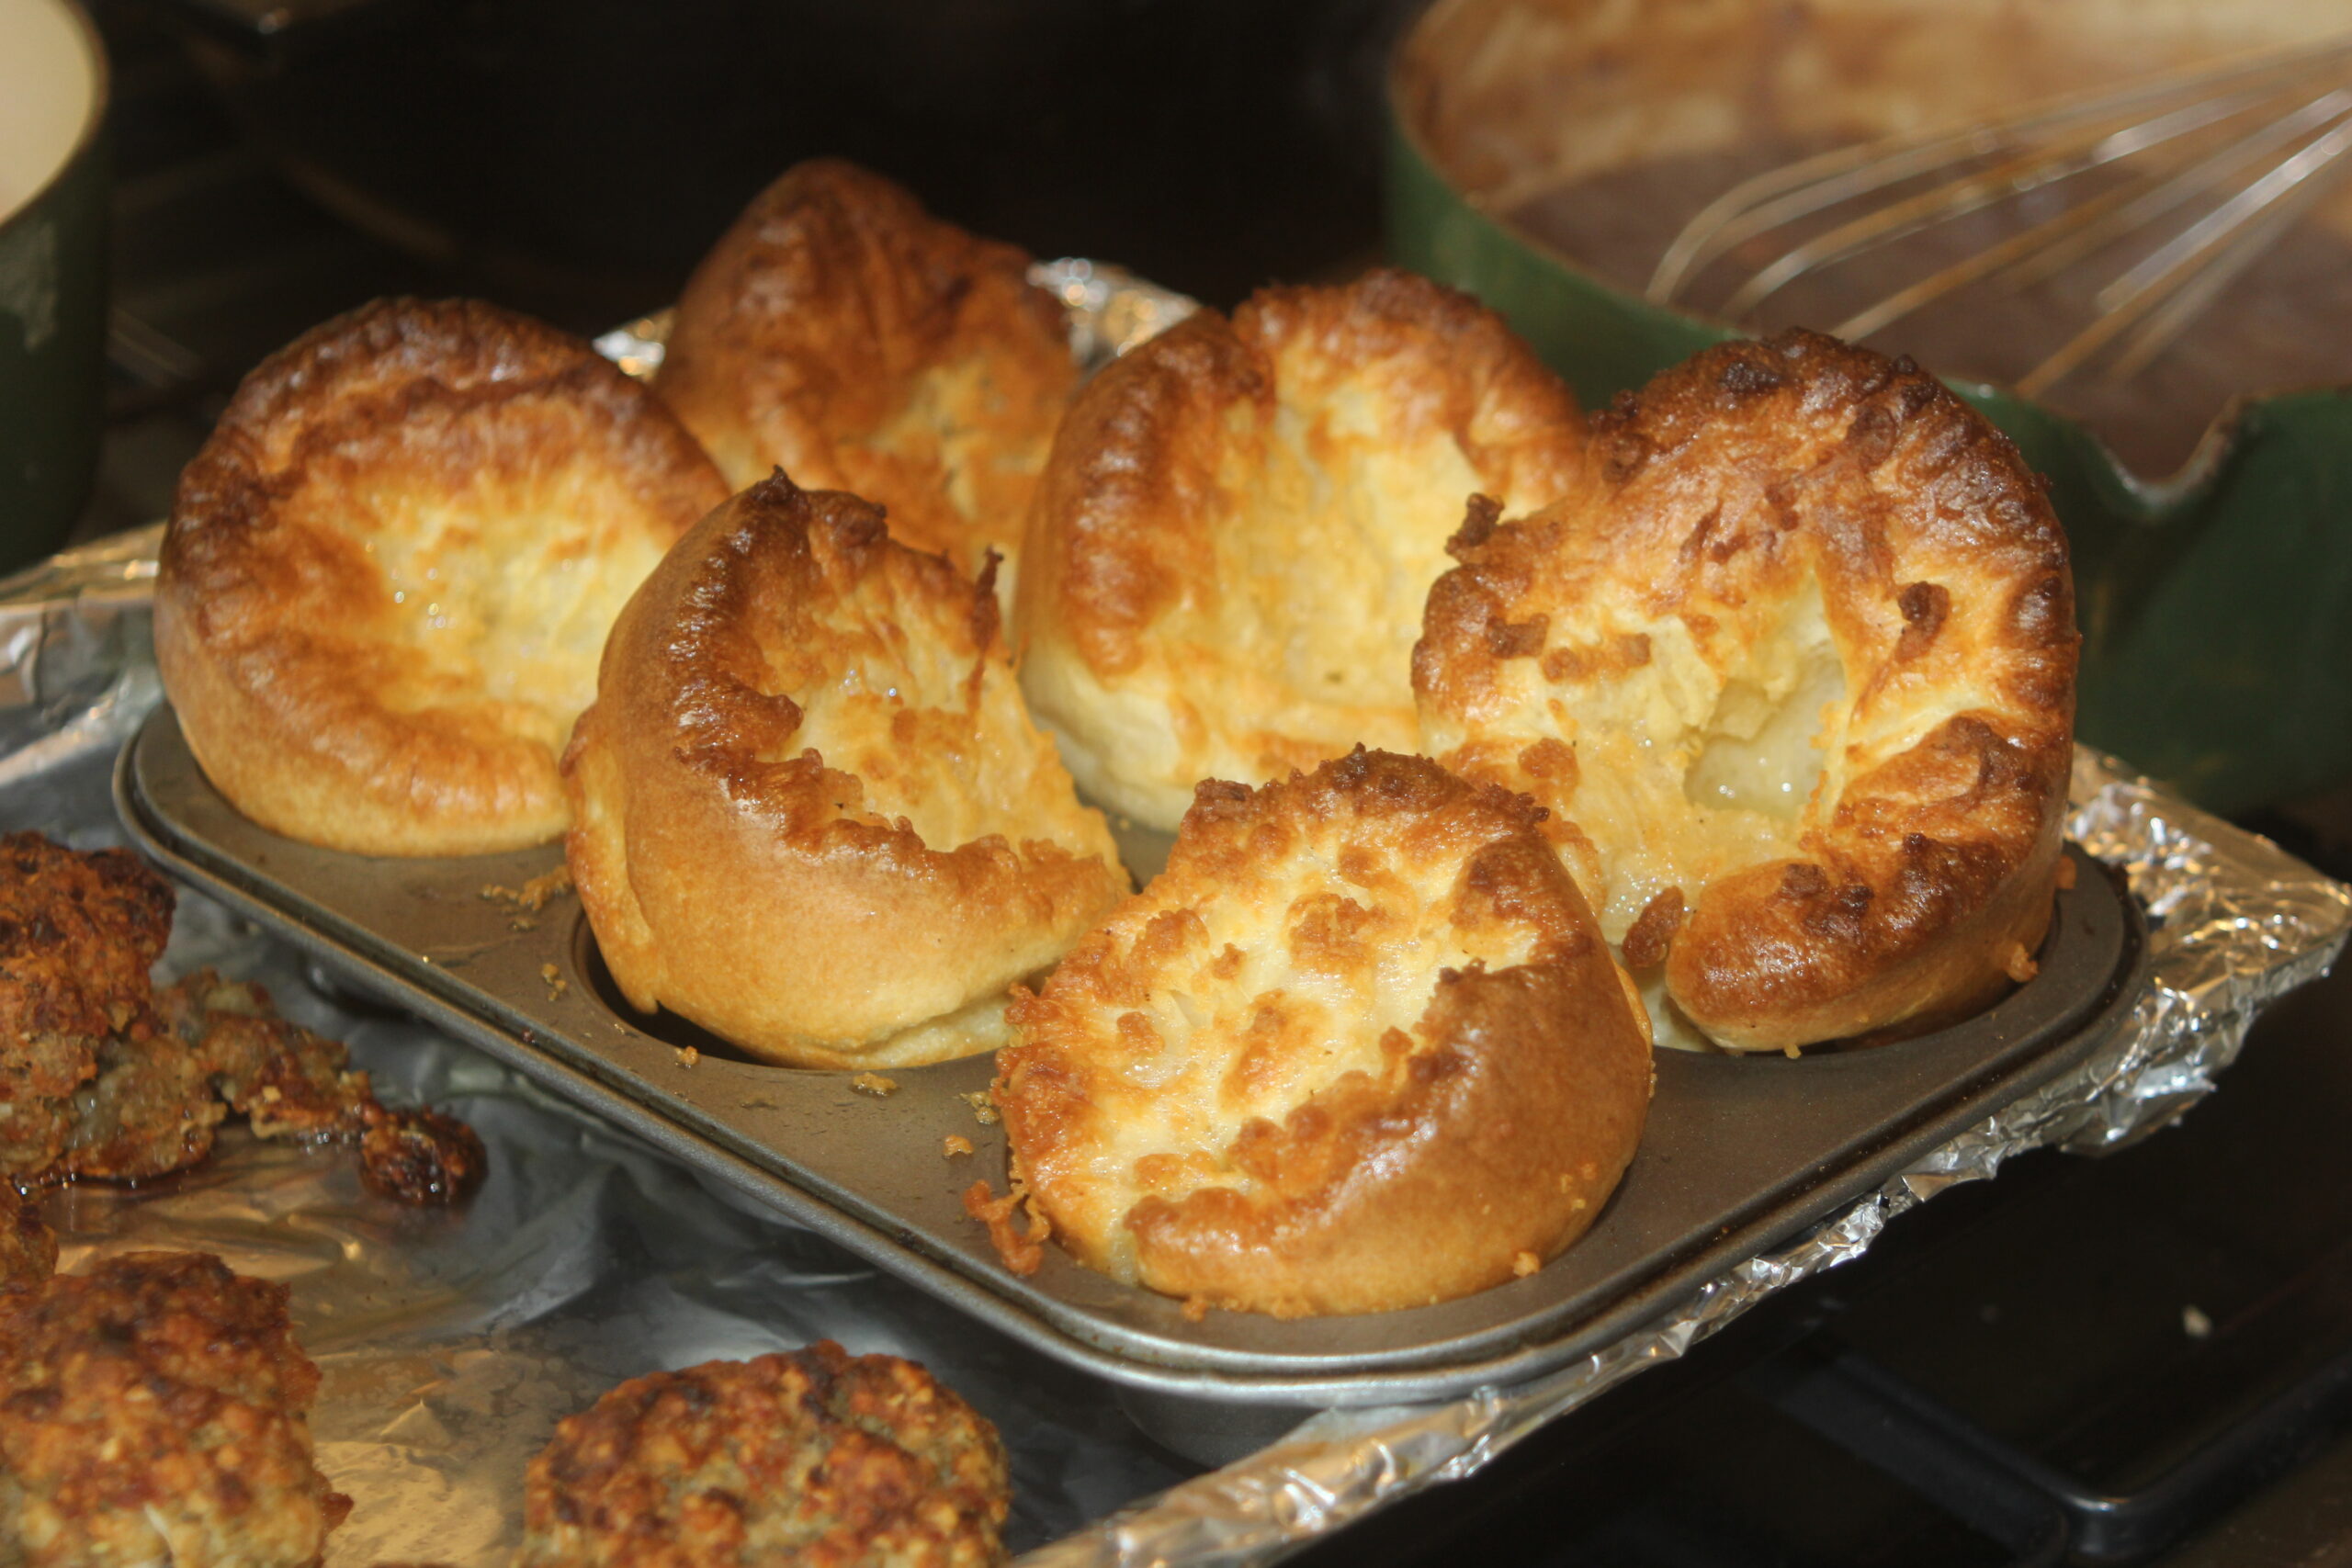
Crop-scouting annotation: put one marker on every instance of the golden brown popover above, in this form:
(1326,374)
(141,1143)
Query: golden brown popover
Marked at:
(1360,1046)
(813,815)
(1241,520)
(843,334)
(389,571)
(1792,665)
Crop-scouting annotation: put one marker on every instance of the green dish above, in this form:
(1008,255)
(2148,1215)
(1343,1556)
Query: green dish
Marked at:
(53,194)
(2216,608)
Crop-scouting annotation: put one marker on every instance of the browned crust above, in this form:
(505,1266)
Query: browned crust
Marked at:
(1145,510)
(800,339)
(730,873)
(276,634)
(157,1392)
(1499,1130)
(1942,569)
(810,1456)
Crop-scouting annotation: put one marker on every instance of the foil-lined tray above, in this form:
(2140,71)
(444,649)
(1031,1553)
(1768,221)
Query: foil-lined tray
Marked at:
(451,1343)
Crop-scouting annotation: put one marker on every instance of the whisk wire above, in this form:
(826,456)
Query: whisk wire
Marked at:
(2035,253)
(1796,190)
(2262,106)
(2191,268)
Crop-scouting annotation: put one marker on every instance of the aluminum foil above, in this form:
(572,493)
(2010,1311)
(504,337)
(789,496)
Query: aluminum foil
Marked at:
(452,1342)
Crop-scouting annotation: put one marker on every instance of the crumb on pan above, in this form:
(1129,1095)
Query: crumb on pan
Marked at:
(808,1457)
(687,1056)
(553,978)
(1022,1253)
(154,1411)
(874,1084)
(983,1106)
(954,1143)
(533,894)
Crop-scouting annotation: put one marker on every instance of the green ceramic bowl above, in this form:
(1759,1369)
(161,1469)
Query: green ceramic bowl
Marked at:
(2216,606)
(52,271)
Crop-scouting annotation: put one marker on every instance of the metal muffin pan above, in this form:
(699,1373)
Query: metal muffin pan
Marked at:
(1740,1154)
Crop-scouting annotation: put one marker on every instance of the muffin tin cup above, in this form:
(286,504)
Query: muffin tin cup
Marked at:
(1740,1153)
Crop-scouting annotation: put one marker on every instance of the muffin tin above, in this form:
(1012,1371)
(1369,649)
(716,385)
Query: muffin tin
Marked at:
(1740,1154)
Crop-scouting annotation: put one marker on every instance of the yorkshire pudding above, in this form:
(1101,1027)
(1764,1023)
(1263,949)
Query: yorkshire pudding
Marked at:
(389,573)
(840,332)
(1241,520)
(1795,657)
(813,816)
(1359,1047)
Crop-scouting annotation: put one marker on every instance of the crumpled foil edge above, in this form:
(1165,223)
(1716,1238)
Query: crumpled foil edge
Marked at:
(2237,923)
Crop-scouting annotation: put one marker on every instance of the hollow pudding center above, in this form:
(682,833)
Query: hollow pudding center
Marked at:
(1703,758)
(1762,751)
(889,690)
(1342,528)
(499,587)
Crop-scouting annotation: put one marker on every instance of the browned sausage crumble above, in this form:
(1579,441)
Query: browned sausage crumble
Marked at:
(152,1411)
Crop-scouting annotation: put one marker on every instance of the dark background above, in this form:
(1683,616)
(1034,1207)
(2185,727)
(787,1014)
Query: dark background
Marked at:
(278,161)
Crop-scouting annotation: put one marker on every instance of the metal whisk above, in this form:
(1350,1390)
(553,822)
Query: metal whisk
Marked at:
(2216,159)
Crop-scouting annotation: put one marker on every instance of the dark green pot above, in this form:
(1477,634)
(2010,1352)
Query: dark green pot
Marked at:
(53,284)
(2216,609)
